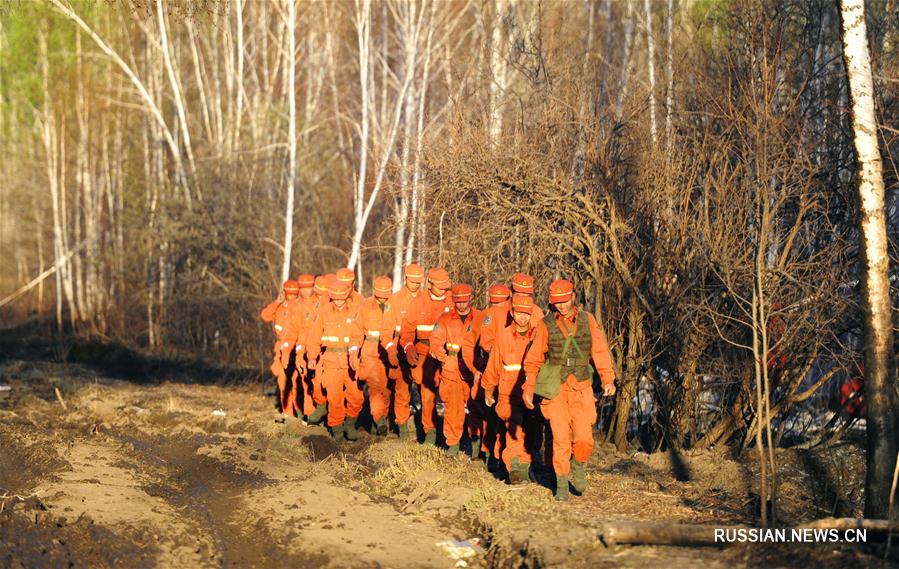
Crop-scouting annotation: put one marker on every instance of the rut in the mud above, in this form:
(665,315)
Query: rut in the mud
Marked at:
(208,492)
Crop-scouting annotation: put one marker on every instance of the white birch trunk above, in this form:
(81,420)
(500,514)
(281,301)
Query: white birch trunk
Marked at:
(498,76)
(669,95)
(179,102)
(651,65)
(881,396)
(292,137)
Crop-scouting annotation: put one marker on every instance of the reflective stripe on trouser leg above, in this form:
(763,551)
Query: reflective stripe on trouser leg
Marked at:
(453,393)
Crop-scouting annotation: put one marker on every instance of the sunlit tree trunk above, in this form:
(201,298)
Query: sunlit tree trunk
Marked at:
(497,64)
(651,67)
(292,137)
(880,364)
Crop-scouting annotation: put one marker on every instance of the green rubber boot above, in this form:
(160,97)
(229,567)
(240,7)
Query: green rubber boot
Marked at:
(453,451)
(321,411)
(431,437)
(578,476)
(475,448)
(562,494)
(403,430)
(337,431)
(516,472)
(349,429)
(524,472)
(381,427)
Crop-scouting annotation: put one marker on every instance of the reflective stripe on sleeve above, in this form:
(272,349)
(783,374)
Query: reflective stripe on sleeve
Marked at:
(512,367)
(425,327)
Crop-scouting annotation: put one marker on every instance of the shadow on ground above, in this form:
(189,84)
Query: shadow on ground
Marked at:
(31,342)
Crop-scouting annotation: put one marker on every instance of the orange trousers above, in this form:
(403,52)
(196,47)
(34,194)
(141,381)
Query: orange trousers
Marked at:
(572,416)
(313,396)
(402,396)
(453,392)
(287,384)
(481,422)
(345,399)
(427,376)
(511,432)
(373,372)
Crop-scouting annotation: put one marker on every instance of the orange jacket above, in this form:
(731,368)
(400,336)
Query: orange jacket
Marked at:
(399,302)
(338,332)
(483,333)
(373,317)
(283,314)
(305,317)
(420,319)
(514,362)
(599,346)
(449,333)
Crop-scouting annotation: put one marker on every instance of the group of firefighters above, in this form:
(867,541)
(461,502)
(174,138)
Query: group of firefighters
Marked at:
(499,371)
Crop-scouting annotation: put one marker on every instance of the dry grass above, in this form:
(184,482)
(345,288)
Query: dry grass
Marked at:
(420,472)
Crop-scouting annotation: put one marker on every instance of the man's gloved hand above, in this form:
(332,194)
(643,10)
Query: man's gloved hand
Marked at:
(489,398)
(312,364)
(354,359)
(393,358)
(440,354)
(412,356)
(528,400)
(608,390)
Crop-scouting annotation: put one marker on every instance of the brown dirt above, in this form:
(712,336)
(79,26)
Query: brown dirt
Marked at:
(138,474)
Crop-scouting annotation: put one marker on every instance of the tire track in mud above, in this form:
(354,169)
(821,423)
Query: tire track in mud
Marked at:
(210,494)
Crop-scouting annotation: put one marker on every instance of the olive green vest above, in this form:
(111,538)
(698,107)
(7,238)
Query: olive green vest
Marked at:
(577,362)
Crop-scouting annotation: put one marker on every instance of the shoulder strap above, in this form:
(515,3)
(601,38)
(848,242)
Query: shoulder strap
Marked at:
(569,342)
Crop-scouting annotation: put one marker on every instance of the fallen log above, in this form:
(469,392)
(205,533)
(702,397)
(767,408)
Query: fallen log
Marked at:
(660,533)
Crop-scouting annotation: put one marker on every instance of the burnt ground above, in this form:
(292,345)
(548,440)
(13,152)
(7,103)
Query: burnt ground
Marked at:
(137,471)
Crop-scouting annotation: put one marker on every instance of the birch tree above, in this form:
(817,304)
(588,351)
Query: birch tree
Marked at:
(291,136)
(880,361)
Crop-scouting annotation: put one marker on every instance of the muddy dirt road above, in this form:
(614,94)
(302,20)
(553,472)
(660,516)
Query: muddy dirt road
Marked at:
(175,474)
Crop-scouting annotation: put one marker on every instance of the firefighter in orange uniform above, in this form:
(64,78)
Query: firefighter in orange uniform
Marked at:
(347,276)
(415,335)
(573,338)
(313,385)
(475,349)
(455,377)
(282,314)
(302,320)
(373,360)
(511,371)
(333,350)
(399,372)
